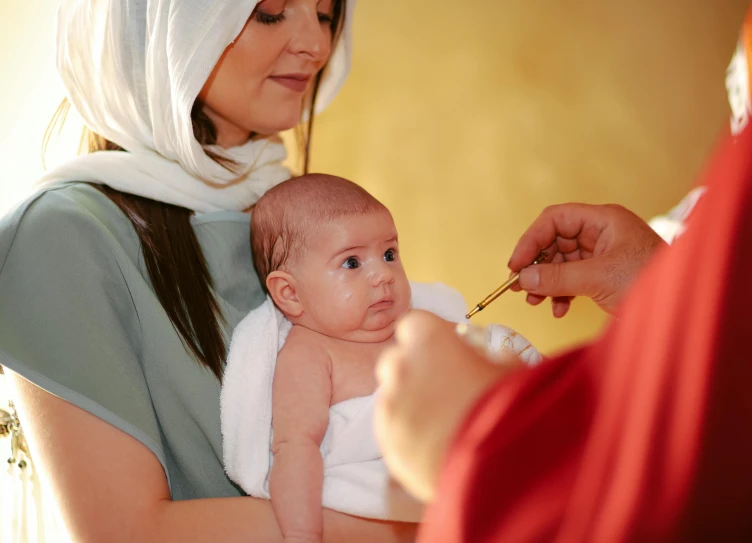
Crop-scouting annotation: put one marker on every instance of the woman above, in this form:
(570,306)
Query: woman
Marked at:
(118,295)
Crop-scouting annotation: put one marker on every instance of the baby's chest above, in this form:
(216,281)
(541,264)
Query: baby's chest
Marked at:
(353,373)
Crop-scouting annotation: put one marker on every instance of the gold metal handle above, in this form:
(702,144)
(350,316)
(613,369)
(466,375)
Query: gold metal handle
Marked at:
(506,285)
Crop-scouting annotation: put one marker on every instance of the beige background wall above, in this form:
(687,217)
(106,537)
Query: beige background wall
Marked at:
(467,118)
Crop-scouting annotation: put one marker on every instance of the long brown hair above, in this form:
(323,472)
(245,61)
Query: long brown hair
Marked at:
(174,259)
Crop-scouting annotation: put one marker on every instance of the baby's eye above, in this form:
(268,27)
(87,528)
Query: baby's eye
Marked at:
(351,263)
(390,255)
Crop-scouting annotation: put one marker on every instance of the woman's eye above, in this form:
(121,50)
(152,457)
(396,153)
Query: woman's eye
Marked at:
(325,18)
(351,263)
(268,18)
(390,256)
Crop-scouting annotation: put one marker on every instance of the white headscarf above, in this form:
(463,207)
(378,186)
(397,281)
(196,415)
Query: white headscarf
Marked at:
(133,69)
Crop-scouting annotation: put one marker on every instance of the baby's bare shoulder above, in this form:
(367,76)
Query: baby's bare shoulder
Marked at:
(304,346)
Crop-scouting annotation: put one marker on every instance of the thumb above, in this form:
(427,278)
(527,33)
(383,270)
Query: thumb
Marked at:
(418,328)
(579,278)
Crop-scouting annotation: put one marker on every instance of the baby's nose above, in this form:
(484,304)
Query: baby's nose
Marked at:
(383,274)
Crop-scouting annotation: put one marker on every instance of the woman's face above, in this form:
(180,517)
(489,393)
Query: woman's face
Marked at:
(260,82)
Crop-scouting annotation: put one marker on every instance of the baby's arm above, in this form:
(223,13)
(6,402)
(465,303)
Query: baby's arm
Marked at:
(301,397)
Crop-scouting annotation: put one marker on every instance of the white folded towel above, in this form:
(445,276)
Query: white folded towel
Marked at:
(355,477)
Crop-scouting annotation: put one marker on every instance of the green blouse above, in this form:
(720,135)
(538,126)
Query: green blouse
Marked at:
(79,318)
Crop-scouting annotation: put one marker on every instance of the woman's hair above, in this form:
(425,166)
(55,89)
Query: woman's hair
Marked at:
(174,260)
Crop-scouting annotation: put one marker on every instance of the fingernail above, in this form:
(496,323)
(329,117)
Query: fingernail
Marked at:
(529,278)
(509,264)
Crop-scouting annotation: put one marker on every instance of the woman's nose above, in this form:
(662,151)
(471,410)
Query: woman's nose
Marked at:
(311,37)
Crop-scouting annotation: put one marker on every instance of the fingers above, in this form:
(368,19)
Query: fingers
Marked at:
(534,299)
(413,332)
(593,251)
(390,368)
(562,279)
(560,306)
(568,248)
(566,228)
(418,326)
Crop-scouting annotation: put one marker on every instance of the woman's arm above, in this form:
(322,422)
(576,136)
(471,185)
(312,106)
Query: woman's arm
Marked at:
(110,487)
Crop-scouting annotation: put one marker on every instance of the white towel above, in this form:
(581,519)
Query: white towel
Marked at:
(355,477)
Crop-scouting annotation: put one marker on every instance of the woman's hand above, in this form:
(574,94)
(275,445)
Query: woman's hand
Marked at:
(429,381)
(593,251)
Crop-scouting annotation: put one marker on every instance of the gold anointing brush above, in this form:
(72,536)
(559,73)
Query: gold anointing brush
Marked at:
(506,285)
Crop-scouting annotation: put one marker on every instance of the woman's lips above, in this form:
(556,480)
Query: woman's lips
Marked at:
(294,82)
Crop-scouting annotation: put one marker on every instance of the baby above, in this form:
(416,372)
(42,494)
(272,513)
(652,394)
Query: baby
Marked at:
(327,253)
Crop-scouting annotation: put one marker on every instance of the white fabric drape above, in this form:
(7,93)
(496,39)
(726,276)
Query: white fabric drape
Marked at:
(133,69)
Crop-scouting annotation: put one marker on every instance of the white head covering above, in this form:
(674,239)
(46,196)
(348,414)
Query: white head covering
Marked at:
(133,69)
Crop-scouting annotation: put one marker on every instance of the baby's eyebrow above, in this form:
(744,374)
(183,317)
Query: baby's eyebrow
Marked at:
(353,248)
(339,253)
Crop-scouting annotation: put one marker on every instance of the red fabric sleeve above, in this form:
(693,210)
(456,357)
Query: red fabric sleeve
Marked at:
(645,435)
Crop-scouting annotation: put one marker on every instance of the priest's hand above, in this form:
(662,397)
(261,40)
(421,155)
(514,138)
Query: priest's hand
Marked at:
(428,382)
(593,250)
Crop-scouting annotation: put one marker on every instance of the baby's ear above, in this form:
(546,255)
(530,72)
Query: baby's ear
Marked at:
(282,289)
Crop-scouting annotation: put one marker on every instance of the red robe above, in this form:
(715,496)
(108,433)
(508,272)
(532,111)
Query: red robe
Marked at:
(645,435)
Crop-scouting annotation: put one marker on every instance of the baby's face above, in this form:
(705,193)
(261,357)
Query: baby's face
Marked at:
(351,281)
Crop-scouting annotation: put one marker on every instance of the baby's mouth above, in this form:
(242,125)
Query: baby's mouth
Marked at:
(384,303)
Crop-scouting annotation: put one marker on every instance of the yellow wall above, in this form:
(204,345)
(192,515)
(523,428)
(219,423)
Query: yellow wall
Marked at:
(467,118)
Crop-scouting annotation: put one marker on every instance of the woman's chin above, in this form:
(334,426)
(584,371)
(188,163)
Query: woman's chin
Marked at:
(286,116)
(270,130)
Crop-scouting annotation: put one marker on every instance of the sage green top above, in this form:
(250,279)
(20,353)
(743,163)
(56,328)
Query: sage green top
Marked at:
(79,318)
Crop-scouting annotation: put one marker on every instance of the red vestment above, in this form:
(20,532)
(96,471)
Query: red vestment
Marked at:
(644,435)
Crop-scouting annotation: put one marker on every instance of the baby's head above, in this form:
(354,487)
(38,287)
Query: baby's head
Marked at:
(327,253)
